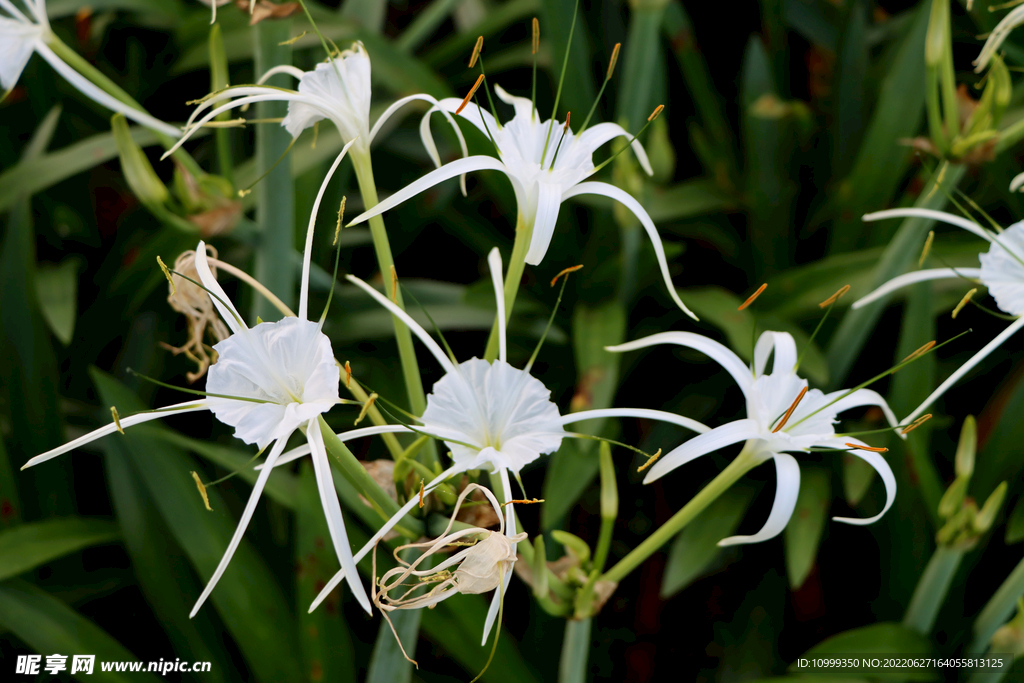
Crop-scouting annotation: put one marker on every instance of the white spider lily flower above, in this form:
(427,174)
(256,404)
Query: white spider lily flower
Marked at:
(542,180)
(489,415)
(337,90)
(268,381)
(782,417)
(1002,271)
(23,34)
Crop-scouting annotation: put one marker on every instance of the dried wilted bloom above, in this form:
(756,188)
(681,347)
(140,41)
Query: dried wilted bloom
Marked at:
(196,305)
(481,565)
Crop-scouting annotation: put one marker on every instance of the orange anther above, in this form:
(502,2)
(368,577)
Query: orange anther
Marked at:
(753,296)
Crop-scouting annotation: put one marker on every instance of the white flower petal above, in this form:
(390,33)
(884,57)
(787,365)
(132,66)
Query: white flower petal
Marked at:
(916,276)
(1011,21)
(643,413)
(787,488)
(220,299)
(304,450)
(931,214)
(17,43)
(861,397)
(510,530)
(702,444)
(645,220)
(243,523)
(523,105)
(600,133)
(785,352)
(549,199)
(709,347)
(494,263)
(1002,270)
(884,471)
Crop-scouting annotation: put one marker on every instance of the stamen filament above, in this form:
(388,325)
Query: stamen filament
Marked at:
(753,297)
(561,81)
(561,139)
(608,77)
(551,318)
(196,391)
(609,160)
(789,413)
(366,407)
(927,248)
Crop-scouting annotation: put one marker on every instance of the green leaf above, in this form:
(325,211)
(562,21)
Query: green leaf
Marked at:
(878,639)
(49,626)
(10,502)
(578,91)
(643,66)
(247,588)
(31,545)
(1015,523)
(57,289)
(696,549)
(387,663)
(803,533)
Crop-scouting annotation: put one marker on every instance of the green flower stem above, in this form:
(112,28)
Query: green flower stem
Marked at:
(514,275)
(572,666)
(998,609)
(82,66)
(385,262)
(364,483)
(742,464)
(219,81)
(931,589)
(609,506)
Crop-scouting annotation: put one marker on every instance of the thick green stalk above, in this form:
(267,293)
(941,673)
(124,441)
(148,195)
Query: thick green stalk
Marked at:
(219,81)
(513,276)
(740,465)
(98,78)
(998,609)
(275,195)
(385,262)
(931,589)
(609,506)
(572,666)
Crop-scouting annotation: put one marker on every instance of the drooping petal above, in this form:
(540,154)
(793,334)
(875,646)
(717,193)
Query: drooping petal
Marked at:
(307,252)
(729,361)
(884,471)
(642,413)
(304,450)
(449,170)
(916,276)
(702,444)
(861,397)
(598,134)
(427,137)
(787,472)
(332,509)
(523,105)
(958,221)
(510,530)
(187,407)
(292,71)
(633,205)
(785,352)
(388,526)
(494,263)
(549,199)
(427,340)
(1011,21)
(966,367)
(90,90)
(220,299)
(428,140)
(250,508)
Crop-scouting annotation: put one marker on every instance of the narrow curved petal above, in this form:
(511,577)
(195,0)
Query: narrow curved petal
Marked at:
(17,43)
(292,71)
(332,509)
(785,352)
(643,413)
(494,263)
(90,90)
(510,530)
(220,299)
(304,450)
(388,526)
(729,361)
(307,252)
(549,199)
(523,105)
(139,418)
(966,367)
(431,147)
(14,11)
(958,221)
(652,232)
(598,134)
(917,276)
(1011,21)
(250,508)
(884,471)
(787,472)
(449,170)
(702,444)
(427,340)
(861,397)
(427,137)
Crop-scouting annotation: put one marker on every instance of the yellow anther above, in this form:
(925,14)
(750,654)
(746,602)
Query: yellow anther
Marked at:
(366,408)
(421,493)
(531,501)
(927,248)
(476,51)
(789,413)
(244,193)
(611,64)
(917,423)
(570,269)
(469,95)
(536,37)
(348,375)
(963,302)
(291,41)
(202,491)
(341,216)
(753,296)
(650,461)
(167,274)
(117,418)
(394,284)
(654,114)
(873,449)
(835,297)
(920,352)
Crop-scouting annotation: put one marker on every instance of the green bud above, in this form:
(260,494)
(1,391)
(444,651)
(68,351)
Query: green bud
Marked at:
(953,498)
(967,448)
(609,486)
(540,567)
(987,516)
(935,40)
(137,170)
(574,545)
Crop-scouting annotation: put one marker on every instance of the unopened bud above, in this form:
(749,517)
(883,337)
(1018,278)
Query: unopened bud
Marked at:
(574,545)
(953,498)
(986,517)
(966,448)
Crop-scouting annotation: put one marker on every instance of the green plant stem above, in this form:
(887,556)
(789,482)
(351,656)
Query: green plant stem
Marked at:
(609,506)
(364,483)
(513,276)
(82,66)
(572,666)
(740,465)
(219,81)
(998,609)
(931,589)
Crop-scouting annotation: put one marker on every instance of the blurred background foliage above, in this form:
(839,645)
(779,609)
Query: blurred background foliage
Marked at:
(785,121)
